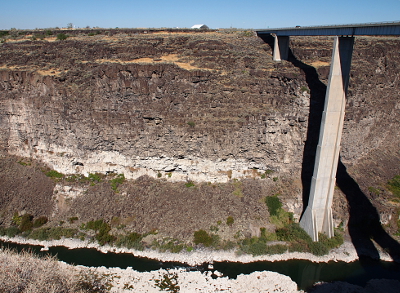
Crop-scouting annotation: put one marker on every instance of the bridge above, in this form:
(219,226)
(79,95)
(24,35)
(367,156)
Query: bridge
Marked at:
(317,216)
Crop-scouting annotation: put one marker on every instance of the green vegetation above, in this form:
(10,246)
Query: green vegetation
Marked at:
(169,244)
(297,238)
(54,174)
(224,244)
(117,181)
(300,241)
(189,184)
(230,221)
(92,178)
(16,219)
(93,225)
(246,33)
(32,229)
(282,218)
(374,190)
(10,231)
(75,178)
(191,124)
(202,237)
(238,185)
(273,204)
(53,233)
(91,34)
(95,177)
(4,33)
(292,232)
(168,283)
(214,228)
(304,89)
(62,36)
(22,163)
(254,246)
(258,246)
(292,237)
(72,220)
(26,223)
(132,240)
(38,36)
(331,243)
(39,222)
(102,230)
(394,186)
(266,173)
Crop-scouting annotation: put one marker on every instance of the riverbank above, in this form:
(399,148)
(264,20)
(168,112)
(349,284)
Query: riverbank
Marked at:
(126,280)
(346,252)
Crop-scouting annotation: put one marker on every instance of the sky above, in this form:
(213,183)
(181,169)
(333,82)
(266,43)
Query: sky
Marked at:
(247,14)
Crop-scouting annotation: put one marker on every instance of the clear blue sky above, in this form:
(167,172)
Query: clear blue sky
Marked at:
(256,14)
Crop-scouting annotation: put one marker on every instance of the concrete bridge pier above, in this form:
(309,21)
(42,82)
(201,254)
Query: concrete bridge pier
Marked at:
(281,48)
(318,215)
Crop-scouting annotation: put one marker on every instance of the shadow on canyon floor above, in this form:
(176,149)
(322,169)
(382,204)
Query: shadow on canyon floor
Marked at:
(364,224)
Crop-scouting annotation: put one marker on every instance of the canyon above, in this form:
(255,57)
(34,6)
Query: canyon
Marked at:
(166,108)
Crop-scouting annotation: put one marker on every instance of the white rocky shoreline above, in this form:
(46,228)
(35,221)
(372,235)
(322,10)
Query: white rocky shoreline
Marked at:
(126,280)
(346,252)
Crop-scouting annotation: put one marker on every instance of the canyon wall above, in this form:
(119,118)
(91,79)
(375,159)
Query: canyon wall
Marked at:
(206,107)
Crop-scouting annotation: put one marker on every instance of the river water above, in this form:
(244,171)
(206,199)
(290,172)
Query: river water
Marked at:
(304,273)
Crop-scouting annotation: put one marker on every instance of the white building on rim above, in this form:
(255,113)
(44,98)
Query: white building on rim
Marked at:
(200,26)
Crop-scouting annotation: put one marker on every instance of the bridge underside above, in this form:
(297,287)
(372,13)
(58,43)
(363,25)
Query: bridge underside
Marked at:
(371,29)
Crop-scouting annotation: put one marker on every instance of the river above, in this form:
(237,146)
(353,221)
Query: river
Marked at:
(304,273)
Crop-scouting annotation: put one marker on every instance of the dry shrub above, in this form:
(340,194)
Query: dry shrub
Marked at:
(28,273)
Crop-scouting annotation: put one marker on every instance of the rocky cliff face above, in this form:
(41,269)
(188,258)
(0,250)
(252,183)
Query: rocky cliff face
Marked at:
(205,107)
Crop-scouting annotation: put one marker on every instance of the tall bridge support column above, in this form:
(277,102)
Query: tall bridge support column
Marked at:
(281,48)
(318,215)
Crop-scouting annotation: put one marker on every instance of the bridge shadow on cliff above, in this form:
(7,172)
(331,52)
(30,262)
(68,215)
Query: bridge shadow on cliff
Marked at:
(317,99)
(364,224)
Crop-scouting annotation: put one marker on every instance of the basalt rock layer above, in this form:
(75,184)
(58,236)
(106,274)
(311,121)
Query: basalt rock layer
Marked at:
(206,107)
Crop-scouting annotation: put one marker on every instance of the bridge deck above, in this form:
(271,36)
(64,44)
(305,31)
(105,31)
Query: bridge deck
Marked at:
(370,29)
